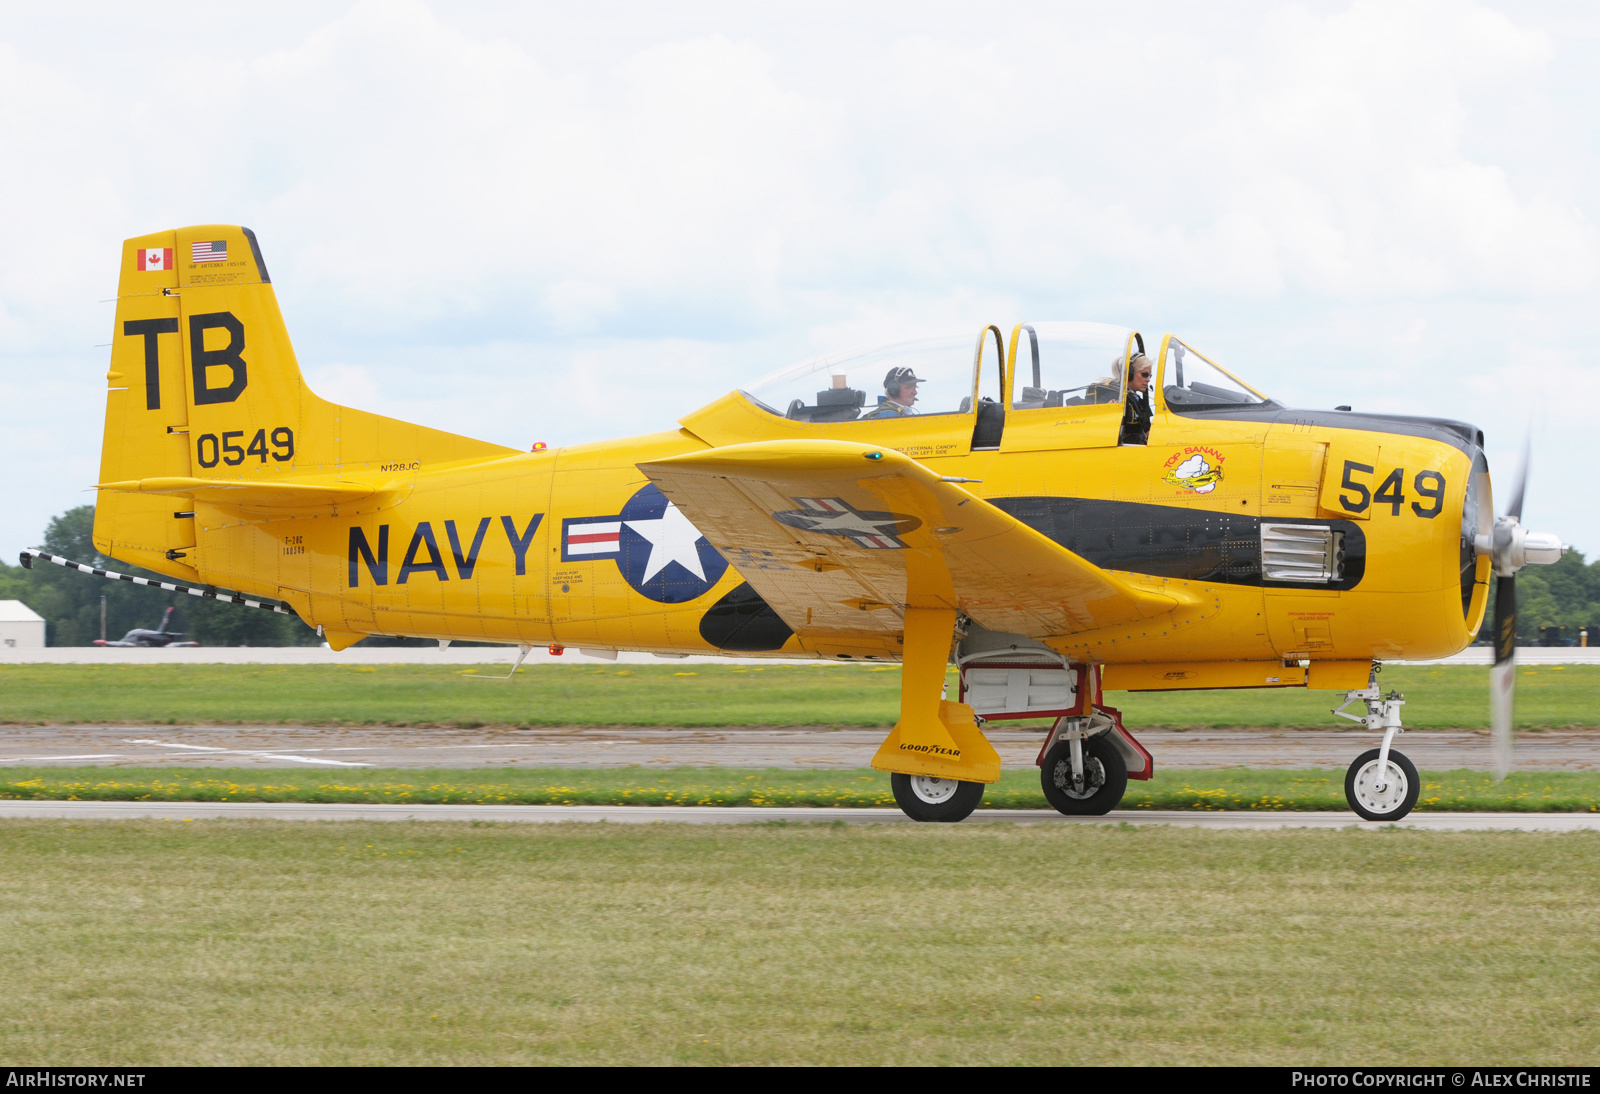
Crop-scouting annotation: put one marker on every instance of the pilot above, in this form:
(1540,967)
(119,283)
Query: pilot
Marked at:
(900,391)
(1136,412)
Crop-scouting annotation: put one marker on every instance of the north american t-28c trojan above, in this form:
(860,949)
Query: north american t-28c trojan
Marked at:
(997,504)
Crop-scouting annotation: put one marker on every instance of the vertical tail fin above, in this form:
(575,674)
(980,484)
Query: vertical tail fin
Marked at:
(204,389)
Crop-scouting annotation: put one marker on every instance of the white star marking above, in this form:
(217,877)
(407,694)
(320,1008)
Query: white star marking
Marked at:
(848,523)
(672,539)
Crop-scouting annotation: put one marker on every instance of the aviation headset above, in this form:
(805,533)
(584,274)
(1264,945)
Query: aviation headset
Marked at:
(896,377)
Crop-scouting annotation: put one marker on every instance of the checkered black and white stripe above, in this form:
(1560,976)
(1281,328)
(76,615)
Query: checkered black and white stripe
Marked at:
(209,594)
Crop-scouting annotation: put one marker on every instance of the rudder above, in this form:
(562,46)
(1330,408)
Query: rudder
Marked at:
(204,386)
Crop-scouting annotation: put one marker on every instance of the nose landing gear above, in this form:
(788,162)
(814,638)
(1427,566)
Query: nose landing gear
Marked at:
(1381,785)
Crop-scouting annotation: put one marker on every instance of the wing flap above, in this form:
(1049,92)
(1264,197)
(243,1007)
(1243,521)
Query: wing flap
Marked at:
(842,538)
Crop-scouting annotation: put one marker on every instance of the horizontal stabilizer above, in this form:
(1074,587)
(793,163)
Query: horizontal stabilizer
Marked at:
(248,496)
(841,538)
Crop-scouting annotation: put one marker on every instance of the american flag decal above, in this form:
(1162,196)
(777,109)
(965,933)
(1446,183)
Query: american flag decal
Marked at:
(590,538)
(837,517)
(215,250)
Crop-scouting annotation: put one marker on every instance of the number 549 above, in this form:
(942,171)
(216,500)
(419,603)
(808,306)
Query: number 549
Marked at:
(1357,497)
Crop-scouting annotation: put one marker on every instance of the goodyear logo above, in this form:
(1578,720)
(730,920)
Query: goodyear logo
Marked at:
(932,750)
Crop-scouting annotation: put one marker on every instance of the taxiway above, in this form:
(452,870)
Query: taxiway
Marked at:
(747,747)
(626,814)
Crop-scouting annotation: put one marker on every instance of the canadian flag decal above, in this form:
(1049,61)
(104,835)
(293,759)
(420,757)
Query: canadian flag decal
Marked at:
(155,258)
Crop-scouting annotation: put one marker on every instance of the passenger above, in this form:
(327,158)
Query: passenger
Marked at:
(900,391)
(1136,414)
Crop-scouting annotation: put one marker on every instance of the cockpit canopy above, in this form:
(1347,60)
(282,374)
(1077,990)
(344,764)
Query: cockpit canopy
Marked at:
(1070,364)
(842,387)
(1052,365)
(1190,383)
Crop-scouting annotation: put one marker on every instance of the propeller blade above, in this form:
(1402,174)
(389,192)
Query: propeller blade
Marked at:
(1503,677)
(1514,510)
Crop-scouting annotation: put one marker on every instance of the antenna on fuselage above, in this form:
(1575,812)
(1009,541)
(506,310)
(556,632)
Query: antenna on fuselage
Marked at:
(522,652)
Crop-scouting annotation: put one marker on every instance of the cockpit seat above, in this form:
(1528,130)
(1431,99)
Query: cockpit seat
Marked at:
(1035,398)
(834,404)
(1032,398)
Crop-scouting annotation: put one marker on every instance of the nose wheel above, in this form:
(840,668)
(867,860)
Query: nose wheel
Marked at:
(926,798)
(1380,789)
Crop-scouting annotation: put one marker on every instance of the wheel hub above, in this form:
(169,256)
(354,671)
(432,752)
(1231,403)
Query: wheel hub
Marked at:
(933,790)
(1381,794)
(1094,777)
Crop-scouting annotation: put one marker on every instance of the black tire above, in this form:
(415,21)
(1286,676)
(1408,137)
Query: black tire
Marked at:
(943,803)
(1390,806)
(1105,776)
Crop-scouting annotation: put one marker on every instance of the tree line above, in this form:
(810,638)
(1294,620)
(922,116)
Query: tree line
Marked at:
(71,602)
(1553,602)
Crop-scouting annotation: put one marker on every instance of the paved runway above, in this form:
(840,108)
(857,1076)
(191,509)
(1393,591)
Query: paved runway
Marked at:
(539,655)
(552,814)
(307,746)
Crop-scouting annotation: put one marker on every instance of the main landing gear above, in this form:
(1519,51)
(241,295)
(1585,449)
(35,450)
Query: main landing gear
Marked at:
(1082,771)
(1382,784)
(928,798)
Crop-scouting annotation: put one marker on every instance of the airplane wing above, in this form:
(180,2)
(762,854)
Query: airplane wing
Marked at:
(842,537)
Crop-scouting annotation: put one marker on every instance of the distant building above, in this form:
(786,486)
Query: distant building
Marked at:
(20,626)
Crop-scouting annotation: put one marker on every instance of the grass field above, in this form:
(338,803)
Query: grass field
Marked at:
(222,942)
(1439,697)
(1231,789)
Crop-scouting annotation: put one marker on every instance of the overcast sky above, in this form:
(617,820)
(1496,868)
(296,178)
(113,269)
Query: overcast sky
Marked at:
(564,222)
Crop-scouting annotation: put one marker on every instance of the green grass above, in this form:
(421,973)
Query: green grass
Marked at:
(700,695)
(1232,789)
(137,944)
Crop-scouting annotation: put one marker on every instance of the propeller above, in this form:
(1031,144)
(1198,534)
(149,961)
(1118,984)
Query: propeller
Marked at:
(1510,547)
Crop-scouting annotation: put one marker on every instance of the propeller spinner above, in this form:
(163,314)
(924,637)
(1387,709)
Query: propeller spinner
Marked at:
(1510,547)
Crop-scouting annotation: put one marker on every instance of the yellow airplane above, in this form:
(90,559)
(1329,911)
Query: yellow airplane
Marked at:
(1016,505)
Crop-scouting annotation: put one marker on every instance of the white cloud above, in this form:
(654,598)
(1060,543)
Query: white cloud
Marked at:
(588,220)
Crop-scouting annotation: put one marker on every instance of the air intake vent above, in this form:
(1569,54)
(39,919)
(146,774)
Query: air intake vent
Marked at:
(1301,552)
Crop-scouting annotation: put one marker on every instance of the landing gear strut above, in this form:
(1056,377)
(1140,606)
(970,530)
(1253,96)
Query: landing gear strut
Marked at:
(1382,784)
(937,756)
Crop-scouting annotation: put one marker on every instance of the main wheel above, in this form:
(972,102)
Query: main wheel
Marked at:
(1398,796)
(925,798)
(1105,778)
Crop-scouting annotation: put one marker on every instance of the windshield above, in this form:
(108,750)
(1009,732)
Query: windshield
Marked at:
(1190,382)
(1068,364)
(933,375)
